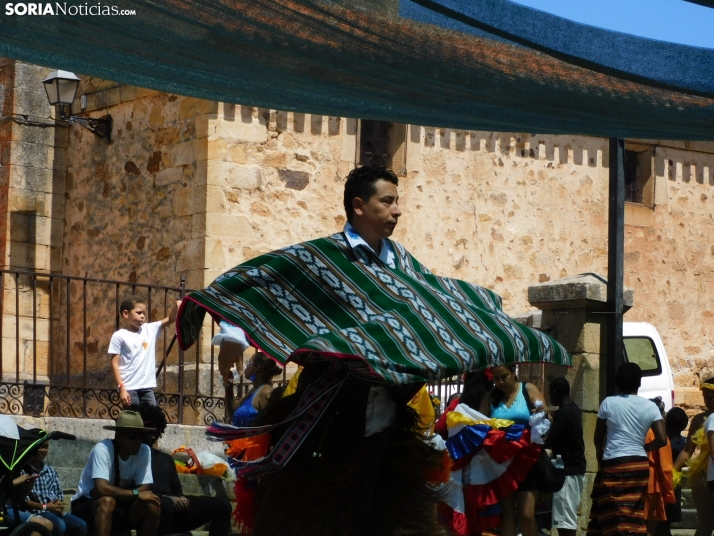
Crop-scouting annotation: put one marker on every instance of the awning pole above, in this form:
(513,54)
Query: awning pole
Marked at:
(615,262)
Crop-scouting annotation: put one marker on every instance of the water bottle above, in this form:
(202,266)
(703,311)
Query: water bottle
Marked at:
(558,462)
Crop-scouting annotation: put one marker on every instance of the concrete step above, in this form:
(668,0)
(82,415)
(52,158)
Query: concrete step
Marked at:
(683,532)
(689,520)
(687,501)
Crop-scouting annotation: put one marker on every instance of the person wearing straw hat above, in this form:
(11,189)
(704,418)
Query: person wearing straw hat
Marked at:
(114,492)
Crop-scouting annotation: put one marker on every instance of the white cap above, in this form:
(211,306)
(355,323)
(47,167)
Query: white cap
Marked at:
(230,333)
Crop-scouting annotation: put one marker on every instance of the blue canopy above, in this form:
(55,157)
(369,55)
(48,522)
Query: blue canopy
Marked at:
(464,64)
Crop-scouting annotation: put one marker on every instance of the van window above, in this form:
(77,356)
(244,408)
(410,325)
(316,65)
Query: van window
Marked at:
(641,350)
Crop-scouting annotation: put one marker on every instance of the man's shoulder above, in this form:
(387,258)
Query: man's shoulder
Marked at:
(157,454)
(103,449)
(569,411)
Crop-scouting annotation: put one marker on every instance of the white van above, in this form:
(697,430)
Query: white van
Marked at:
(643,346)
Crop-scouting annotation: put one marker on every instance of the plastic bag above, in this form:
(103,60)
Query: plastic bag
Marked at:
(211,464)
(203,463)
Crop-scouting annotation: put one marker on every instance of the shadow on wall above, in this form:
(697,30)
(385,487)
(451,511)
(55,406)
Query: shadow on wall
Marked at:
(23,240)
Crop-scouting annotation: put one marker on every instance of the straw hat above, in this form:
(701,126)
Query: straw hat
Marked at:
(128,420)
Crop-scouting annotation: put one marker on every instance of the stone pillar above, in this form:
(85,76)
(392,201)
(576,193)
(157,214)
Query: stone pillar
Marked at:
(573,312)
(32,182)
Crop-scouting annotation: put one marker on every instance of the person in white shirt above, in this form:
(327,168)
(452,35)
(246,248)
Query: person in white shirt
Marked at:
(132,351)
(114,491)
(620,431)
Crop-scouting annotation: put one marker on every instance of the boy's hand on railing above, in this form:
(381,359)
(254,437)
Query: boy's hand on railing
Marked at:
(124,396)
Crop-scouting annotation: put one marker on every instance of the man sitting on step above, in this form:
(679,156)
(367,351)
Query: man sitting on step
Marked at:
(179,514)
(114,493)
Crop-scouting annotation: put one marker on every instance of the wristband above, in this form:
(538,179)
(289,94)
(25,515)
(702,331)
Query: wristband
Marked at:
(44,507)
(120,386)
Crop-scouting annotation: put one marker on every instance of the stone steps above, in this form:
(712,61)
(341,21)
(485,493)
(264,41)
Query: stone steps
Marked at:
(689,515)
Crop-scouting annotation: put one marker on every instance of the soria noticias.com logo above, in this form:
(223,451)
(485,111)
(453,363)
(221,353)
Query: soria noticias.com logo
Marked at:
(63,8)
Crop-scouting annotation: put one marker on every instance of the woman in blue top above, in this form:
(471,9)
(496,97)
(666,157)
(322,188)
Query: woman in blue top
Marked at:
(259,370)
(508,401)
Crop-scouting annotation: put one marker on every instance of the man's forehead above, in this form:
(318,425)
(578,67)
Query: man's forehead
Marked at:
(383,188)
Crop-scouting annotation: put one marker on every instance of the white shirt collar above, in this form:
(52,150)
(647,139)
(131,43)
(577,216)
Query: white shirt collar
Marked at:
(386,255)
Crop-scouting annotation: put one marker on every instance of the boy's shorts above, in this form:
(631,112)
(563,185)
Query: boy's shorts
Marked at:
(142,395)
(566,503)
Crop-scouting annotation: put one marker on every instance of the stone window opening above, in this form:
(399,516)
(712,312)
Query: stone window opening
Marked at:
(639,174)
(382,143)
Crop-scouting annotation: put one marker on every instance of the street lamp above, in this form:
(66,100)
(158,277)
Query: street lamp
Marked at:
(61,87)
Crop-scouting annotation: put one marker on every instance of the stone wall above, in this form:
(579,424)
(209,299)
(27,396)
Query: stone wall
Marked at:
(194,187)
(669,261)
(32,175)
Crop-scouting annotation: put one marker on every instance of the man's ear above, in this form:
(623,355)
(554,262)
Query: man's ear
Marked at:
(358,206)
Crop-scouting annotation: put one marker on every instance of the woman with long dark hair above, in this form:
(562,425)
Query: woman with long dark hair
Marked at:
(511,400)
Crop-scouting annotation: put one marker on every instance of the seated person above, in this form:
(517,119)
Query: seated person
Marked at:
(23,486)
(179,513)
(114,492)
(46,497)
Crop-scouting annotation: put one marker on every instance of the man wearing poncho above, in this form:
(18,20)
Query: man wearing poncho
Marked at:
(370,325)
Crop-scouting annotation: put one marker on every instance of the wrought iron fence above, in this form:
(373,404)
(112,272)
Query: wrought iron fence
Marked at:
(55,331)
(54,335)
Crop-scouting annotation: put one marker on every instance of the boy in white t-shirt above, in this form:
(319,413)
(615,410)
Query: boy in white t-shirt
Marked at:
(132,351)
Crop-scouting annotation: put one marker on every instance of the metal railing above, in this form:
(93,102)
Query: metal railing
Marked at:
(55,331)
(54,335)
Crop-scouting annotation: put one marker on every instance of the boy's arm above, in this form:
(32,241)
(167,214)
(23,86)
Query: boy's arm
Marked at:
(123,393)
(172,315)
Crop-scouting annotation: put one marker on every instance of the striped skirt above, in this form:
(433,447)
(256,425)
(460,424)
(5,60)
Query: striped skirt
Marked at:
(618,497)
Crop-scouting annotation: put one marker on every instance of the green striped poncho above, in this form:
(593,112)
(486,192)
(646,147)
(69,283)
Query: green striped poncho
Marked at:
(406,323)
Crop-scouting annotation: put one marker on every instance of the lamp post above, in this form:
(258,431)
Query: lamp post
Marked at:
(61,87)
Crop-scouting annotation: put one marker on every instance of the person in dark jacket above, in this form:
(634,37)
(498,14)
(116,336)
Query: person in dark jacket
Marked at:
(565,438)
(179,514)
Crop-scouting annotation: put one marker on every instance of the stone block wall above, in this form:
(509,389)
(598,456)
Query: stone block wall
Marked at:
(195,187)
(32,175)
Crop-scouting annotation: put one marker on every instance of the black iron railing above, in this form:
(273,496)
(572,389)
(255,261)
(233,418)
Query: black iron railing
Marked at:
(55,331)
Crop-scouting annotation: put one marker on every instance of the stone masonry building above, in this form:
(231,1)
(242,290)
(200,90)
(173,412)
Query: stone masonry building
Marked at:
(193,187)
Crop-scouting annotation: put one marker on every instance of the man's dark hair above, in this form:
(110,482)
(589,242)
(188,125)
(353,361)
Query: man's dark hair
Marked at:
(360,183)
(560,388)
(628,378)
(153,417)
(676,420)
(129,302)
